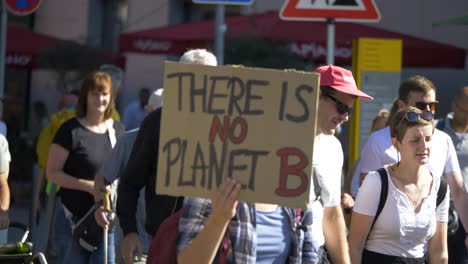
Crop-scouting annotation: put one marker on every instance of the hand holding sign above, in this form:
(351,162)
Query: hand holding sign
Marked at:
(224,201)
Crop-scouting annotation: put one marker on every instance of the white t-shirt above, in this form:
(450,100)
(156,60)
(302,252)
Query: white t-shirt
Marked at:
(399,231)
(328,164)
(379,151)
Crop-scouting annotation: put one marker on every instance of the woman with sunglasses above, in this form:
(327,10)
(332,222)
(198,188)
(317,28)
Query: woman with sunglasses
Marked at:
(410,218)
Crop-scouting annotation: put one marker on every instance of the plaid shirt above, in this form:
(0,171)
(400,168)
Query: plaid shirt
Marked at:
(242,233)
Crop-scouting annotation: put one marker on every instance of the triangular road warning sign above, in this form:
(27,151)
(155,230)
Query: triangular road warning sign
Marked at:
(341,10)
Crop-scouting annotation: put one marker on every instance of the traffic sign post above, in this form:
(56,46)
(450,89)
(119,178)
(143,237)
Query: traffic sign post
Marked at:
(220,27)
(20,8)
(224,2)
(330,11)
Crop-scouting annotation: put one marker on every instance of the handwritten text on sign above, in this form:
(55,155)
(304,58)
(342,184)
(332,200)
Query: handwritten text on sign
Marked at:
(255,125)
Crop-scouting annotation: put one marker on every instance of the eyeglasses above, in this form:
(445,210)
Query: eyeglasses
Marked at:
(342,108)
(423,105)
(413,117)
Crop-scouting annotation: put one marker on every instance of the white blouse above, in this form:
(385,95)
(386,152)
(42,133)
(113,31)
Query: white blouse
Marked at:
(399,231)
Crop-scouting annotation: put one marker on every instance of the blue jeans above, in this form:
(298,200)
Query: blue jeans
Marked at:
(69,251)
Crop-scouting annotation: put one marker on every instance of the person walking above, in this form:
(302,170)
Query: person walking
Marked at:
(78,149)
(378,151)
(141,172)
(410,219)
(456,126)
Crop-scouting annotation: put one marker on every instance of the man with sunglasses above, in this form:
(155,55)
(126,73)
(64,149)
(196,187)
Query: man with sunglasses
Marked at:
(416,91)
(456,126)
(338,92)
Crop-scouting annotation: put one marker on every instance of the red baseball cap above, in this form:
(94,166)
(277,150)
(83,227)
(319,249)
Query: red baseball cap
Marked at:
(340,79)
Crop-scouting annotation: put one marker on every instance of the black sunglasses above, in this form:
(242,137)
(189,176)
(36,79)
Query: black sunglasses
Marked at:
(423,105)
(340,106)
(413,117)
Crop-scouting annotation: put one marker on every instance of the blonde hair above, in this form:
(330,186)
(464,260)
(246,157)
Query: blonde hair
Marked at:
(383,115)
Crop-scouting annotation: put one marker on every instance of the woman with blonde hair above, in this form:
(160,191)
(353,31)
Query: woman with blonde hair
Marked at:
(411,217)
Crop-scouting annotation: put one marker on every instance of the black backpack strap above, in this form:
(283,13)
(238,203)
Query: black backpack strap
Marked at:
(383,195)
(442,191)
(440,124)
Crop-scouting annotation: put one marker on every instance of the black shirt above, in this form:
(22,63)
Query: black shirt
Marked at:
(141,172)
(87,151)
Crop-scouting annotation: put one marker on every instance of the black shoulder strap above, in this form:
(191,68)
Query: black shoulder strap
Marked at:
(383,195)
(442,191)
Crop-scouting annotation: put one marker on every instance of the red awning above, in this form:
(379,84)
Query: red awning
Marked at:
(306,38)
(24,46)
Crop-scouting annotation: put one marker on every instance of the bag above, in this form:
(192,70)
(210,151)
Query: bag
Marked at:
(452,225)
(163,248)
(87,231)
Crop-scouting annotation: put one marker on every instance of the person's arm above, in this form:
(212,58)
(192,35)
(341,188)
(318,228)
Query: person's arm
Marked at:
(371,157)
(204,246)
(359,230)
(54,172)
(437,245)
(4,198)
(459,195)
(334,230)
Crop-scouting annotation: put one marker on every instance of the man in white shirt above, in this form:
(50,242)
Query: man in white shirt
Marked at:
(338,92)
(456,126)
(378,151)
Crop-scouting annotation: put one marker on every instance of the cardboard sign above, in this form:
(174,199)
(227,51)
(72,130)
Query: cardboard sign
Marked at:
(254,125)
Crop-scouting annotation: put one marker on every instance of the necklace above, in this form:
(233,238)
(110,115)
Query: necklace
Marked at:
(414,202)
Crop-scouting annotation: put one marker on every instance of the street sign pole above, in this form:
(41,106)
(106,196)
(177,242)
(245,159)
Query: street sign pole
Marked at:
(3,36)
(220,26)
(330,41)
(220,29)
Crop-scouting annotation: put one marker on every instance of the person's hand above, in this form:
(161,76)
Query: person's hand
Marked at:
(224,201)
(131,245)
(347,201)
(102,217)
(4,219)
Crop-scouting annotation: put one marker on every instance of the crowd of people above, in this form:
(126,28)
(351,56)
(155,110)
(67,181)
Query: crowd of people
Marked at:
(411,174)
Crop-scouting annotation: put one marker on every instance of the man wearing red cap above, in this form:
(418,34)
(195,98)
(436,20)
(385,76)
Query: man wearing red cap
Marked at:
(338,92)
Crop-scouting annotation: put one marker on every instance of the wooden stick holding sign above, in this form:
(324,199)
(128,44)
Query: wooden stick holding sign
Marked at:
(255,125)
